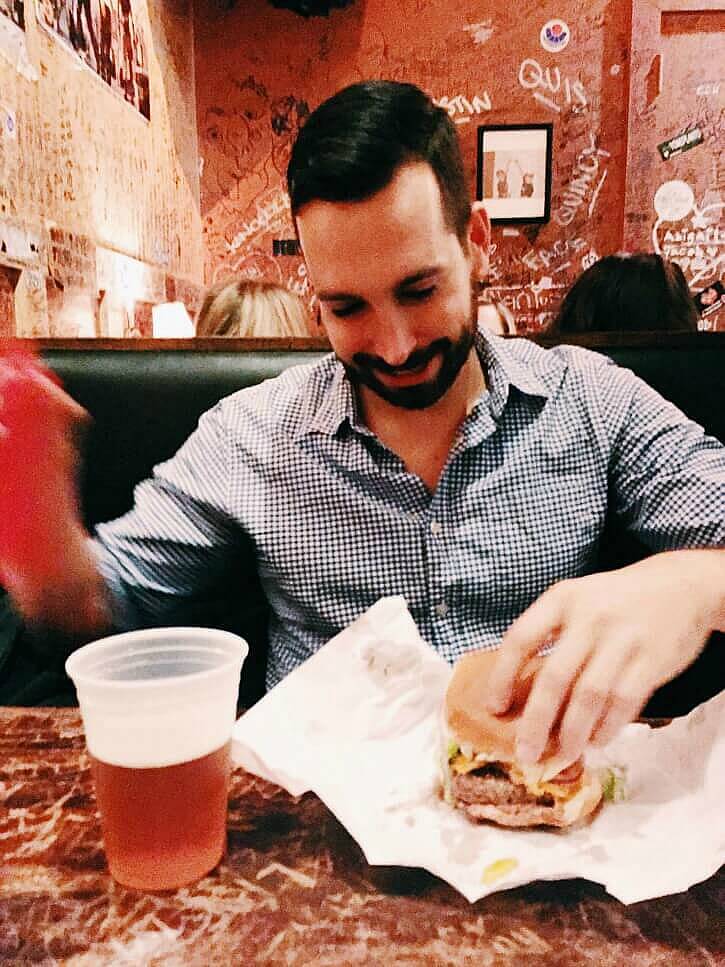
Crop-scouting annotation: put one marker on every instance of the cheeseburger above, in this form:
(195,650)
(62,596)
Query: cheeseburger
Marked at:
(481,774)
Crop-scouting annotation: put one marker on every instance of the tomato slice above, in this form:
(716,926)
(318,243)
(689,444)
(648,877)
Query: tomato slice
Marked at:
(572,773)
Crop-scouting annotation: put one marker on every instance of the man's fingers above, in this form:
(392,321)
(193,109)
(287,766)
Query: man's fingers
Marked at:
(630,694)
(534,629)
(28,384)
(56,395)
(591,699)
(550,691)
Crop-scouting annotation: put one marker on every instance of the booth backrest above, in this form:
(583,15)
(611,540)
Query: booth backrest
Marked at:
(145,404)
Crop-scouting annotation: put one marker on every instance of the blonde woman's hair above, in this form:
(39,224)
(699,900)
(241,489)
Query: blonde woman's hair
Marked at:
(252,309)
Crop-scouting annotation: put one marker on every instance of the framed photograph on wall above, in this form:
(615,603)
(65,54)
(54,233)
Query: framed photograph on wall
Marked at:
(514,171)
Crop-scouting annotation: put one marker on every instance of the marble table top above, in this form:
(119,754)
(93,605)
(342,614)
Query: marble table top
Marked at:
(293,889)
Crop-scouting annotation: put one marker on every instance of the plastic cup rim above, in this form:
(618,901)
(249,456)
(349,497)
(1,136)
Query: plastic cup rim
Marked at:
(84,680)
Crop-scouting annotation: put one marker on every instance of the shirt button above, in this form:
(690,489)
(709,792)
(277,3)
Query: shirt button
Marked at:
(436,528)
(442,609)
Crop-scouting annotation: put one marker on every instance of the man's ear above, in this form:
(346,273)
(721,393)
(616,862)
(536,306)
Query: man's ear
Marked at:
(479,236)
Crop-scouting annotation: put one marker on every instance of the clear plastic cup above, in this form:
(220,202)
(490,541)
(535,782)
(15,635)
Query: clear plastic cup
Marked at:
(158,708)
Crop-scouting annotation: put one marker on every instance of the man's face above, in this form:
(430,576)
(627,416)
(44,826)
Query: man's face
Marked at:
(395,288)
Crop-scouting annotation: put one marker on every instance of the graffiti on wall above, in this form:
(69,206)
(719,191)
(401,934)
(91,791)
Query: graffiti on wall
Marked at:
(461,110)
(552,88)
(533,305)
(691,234)
(479,69)
(585,183)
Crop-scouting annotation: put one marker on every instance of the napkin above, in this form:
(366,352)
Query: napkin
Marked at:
(358,724)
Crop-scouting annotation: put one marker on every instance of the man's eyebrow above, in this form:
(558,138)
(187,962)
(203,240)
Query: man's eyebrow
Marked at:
(337,296)
(430,272)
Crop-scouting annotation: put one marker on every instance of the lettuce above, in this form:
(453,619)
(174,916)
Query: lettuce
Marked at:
(453,749)
(614,784)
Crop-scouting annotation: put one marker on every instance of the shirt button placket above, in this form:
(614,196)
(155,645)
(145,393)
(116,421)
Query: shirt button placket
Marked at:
(441,608)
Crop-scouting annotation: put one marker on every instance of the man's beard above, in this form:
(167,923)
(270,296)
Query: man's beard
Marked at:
(363,369)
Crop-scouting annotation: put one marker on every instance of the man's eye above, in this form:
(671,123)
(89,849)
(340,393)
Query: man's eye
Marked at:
(348,310)
(419,295)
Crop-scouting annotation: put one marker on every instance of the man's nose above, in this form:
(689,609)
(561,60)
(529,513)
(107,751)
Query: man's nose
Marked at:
(395,341)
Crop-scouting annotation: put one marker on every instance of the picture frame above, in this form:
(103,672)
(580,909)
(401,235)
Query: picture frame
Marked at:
(513,172)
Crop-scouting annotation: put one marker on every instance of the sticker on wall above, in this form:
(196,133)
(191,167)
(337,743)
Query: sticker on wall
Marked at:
(711,299)
(708,90)
(19,243)
(673,200)
(681,142)
(8,124)
(555,36)
(480,32)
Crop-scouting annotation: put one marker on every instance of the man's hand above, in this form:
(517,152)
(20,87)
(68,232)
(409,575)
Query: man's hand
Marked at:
(618,636)
(45,561)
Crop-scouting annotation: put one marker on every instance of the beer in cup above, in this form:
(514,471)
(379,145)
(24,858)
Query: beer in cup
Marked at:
(158,708)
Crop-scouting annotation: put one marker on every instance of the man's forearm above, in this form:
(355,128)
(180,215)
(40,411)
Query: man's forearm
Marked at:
(69,594)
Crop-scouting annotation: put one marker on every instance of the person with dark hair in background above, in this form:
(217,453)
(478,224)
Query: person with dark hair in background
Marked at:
(423,457)
(624,293)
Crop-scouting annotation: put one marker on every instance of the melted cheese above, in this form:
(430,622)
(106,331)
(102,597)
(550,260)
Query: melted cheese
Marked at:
(462,763)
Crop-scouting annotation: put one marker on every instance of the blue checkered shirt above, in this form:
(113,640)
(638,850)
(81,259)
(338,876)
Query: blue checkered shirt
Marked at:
(337,521)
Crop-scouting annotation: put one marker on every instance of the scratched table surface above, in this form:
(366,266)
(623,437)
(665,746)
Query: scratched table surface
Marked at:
(293,889)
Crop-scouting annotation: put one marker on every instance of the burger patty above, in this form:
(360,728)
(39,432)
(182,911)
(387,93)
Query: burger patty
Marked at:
(520,816)
(490,784)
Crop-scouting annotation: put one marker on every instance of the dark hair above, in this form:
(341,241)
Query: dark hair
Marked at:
(352,145)
(625,293)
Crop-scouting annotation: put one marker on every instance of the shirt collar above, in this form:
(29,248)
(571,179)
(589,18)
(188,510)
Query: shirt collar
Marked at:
(503,370)
(337,404)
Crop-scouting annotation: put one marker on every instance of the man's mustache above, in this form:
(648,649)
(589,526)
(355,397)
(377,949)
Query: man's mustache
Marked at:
(417,359)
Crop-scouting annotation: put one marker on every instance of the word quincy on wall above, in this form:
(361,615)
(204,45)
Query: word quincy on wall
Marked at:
(585,183)
(107,38)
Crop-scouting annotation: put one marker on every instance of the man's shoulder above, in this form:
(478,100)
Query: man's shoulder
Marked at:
(557,367)
(551,359)
(287,400)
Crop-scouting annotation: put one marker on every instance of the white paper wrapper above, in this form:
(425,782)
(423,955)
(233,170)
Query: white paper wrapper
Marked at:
(358,725)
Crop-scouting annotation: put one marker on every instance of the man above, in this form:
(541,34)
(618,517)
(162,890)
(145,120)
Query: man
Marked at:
(502,183)
(469,473)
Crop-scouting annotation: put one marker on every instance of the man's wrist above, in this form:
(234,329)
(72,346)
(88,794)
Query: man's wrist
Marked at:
(707,568)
